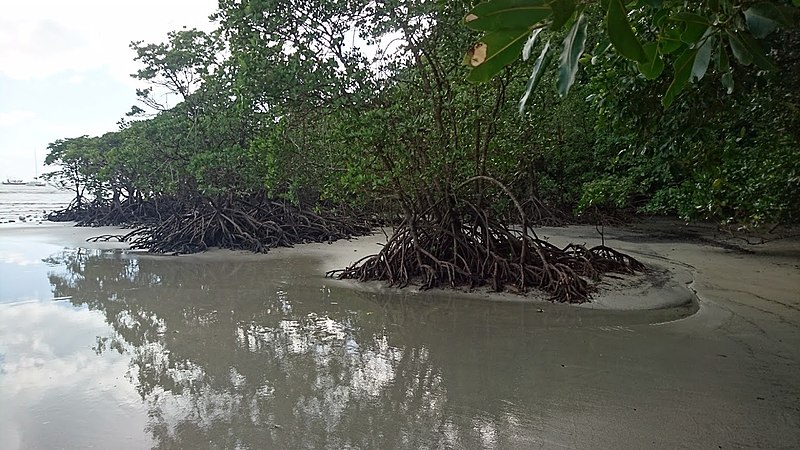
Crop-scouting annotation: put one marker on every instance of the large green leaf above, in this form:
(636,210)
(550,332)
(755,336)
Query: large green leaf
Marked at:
(746,49)
(764,18)
(669,40)
(702,59)
(536,76)
(723,64)
(724,67)
(494,51)
(727,82)
(659,17)
(562,12)
(683,70)
(758,24)
(740,52)
(654,65)
(496,15)
(571,53)
(621,34)
(695,26)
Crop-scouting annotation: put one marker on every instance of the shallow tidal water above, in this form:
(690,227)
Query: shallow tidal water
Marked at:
(21,203)
(112,350)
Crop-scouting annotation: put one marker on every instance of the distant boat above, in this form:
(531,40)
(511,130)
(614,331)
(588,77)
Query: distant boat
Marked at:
(36,181)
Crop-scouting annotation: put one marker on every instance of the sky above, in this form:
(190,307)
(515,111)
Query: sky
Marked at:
(65,68)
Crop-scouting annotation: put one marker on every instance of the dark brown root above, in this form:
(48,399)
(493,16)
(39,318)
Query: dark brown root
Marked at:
(126,213)
(463,247)
(107,238)
(254,224)
(540,214)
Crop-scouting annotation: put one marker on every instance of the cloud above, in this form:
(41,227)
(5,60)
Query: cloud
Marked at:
(12,118)
(76,79)
(69,62)
(44,38)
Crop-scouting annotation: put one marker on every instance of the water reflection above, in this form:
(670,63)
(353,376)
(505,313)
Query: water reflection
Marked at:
(267,355)
(54,391)
(23,277)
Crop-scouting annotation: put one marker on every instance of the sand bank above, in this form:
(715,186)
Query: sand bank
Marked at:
(725,377)
(680,270)
(64,234)
(669,283)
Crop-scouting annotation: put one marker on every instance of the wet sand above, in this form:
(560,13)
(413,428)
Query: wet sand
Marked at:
(664,287)
(363,366)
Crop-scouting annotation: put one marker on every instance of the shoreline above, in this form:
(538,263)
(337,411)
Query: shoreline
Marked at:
(684,271)
(665,286)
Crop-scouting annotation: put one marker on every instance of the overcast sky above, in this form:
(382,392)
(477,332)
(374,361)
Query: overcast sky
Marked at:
(65,68)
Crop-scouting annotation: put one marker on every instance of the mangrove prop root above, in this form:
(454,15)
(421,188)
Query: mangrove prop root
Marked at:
(254,222)
(469,249)
(542,215)
(107,238)
(126,213)
(441,256)
(255,226)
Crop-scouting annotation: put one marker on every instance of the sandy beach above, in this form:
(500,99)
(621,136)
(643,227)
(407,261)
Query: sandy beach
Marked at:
(666,286)
(704,352)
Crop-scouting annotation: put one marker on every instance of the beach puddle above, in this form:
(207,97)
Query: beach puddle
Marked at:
(111,349)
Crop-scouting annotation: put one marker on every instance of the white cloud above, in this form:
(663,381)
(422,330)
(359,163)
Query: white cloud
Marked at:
(44,38)
(76,79)
(82,46)
(12,118)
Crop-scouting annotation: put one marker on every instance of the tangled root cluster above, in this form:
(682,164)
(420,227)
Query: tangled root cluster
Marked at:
(255,223)
(129,212)
(463,246)
(242,224)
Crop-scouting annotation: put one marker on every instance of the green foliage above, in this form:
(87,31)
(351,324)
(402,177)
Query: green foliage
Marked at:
(608,192)
(180,65)
(712,155)
(495,51)
(536,76)
(284,98)
(691,30)
(621,34)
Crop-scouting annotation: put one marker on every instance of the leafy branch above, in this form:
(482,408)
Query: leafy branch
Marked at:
(646,31)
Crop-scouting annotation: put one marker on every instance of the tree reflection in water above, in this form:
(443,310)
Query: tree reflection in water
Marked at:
(252,355)
(265,355)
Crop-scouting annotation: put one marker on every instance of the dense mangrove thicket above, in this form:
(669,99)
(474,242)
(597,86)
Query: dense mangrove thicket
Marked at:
(295,122)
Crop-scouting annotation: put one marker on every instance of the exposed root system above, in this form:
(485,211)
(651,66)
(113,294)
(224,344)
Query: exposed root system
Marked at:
(462,246)
(249,225)
(255,223)
(542,215)
(126,213)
